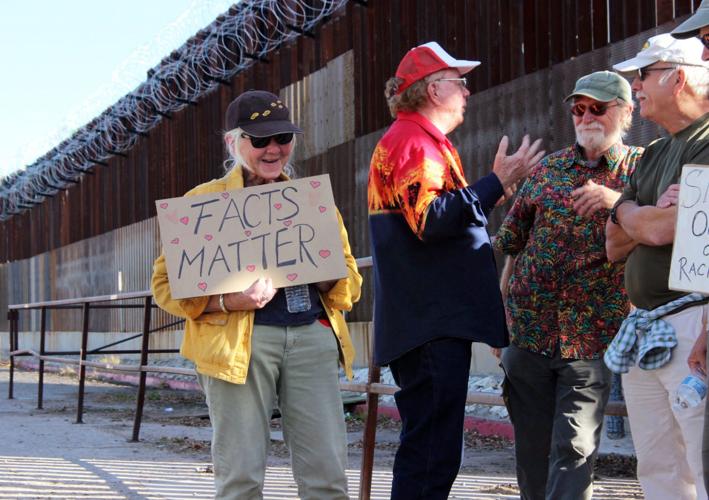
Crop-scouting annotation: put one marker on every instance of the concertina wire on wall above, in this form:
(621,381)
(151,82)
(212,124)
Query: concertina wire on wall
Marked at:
(233,42)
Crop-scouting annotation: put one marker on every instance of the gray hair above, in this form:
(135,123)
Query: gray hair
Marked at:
(235,157)
(697,78)
(628,119)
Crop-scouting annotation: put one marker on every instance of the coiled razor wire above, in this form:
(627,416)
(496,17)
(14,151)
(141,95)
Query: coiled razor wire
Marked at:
(233,42)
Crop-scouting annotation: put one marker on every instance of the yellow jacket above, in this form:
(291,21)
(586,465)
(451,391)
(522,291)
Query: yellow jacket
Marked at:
(220,344)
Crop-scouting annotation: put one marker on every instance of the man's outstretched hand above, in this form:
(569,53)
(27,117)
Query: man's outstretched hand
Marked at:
(511,168)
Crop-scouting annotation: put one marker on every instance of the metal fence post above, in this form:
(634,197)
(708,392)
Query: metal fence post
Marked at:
(82,366)
(370,427)
(12,316)
(143,375)
(42,335)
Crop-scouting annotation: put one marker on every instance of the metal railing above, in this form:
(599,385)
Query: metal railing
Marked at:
(373,388)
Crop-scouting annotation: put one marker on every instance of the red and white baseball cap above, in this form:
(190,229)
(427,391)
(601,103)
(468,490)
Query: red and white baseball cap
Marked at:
(425,59)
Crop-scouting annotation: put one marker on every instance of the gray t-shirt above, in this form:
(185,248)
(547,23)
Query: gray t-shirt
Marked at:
(647,269)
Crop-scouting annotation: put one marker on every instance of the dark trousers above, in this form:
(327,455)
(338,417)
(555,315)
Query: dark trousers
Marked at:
(434,384)
(556,407)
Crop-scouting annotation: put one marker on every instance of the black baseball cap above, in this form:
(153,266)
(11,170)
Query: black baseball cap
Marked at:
(259,114)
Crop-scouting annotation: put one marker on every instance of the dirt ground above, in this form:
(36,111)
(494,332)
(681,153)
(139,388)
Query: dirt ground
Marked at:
(489,455)
(114,405)
(176,422)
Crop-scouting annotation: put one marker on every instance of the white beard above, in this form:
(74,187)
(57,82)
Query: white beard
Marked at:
(593,137)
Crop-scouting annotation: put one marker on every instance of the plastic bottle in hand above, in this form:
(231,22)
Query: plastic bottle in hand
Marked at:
(691,391)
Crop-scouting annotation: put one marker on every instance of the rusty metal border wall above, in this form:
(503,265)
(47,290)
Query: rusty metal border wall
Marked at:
(532,51)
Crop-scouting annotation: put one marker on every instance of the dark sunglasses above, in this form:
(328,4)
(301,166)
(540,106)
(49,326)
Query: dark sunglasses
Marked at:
(705,40)
(262,142)
(596,109)
(642,72)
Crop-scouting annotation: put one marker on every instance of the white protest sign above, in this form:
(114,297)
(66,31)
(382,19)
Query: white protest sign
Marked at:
(222,242)
(689,270)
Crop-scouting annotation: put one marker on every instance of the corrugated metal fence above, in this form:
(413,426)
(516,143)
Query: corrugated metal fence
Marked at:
(532,52)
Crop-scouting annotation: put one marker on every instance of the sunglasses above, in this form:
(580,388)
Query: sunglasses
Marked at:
(262,142)
(596,109)
(642,72)
(705,40)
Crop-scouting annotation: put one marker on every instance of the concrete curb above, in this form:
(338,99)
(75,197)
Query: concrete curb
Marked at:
(483,426)
(128,379)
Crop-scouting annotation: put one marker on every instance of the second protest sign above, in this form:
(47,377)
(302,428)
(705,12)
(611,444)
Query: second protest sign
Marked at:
(689,270)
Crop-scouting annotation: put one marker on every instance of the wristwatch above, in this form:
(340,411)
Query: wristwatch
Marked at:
(614,215)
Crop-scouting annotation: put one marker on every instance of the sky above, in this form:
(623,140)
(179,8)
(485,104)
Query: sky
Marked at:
(64,62)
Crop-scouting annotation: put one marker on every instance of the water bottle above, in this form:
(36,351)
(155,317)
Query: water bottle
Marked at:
(691,391)
(298,298)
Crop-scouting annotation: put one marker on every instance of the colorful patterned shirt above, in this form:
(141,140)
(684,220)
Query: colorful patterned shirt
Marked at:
(563,291)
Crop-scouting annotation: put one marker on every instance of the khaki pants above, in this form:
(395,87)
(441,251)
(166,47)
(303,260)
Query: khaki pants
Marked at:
(295,368)
(668,443)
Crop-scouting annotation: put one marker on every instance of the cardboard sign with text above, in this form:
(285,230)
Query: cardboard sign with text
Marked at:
(689,270)
(222,242)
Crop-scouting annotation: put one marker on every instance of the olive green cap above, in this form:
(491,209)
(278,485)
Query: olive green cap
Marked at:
(602,86)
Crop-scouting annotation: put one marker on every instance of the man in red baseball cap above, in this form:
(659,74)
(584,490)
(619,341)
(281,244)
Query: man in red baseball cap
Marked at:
(436,285)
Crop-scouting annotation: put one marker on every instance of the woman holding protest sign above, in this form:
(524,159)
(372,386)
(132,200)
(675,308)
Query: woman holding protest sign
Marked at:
(263,346)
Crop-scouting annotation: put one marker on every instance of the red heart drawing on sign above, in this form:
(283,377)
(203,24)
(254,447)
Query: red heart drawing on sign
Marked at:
(251,268)
(172,216)
(292,276)
(163,205)
(175,241)
(322,209)
(225,195)
(247,232)
(202,286)
(277,206)
(287,222)
(324,253)
(315,184)
(208,237)
(185,220)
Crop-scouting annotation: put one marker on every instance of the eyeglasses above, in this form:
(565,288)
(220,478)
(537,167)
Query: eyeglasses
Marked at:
(596,109)
(262,142)
(642,72)
(463,82)
(705,40)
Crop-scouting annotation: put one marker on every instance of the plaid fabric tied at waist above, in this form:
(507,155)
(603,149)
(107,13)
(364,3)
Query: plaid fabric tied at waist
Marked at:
(645,337)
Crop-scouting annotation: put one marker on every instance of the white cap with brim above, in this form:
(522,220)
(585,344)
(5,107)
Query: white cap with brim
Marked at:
(691,26)
(667,49)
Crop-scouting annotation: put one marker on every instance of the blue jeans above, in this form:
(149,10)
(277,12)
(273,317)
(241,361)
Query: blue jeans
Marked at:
(434,384)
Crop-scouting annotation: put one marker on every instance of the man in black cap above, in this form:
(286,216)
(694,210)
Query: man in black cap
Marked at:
(697,25)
